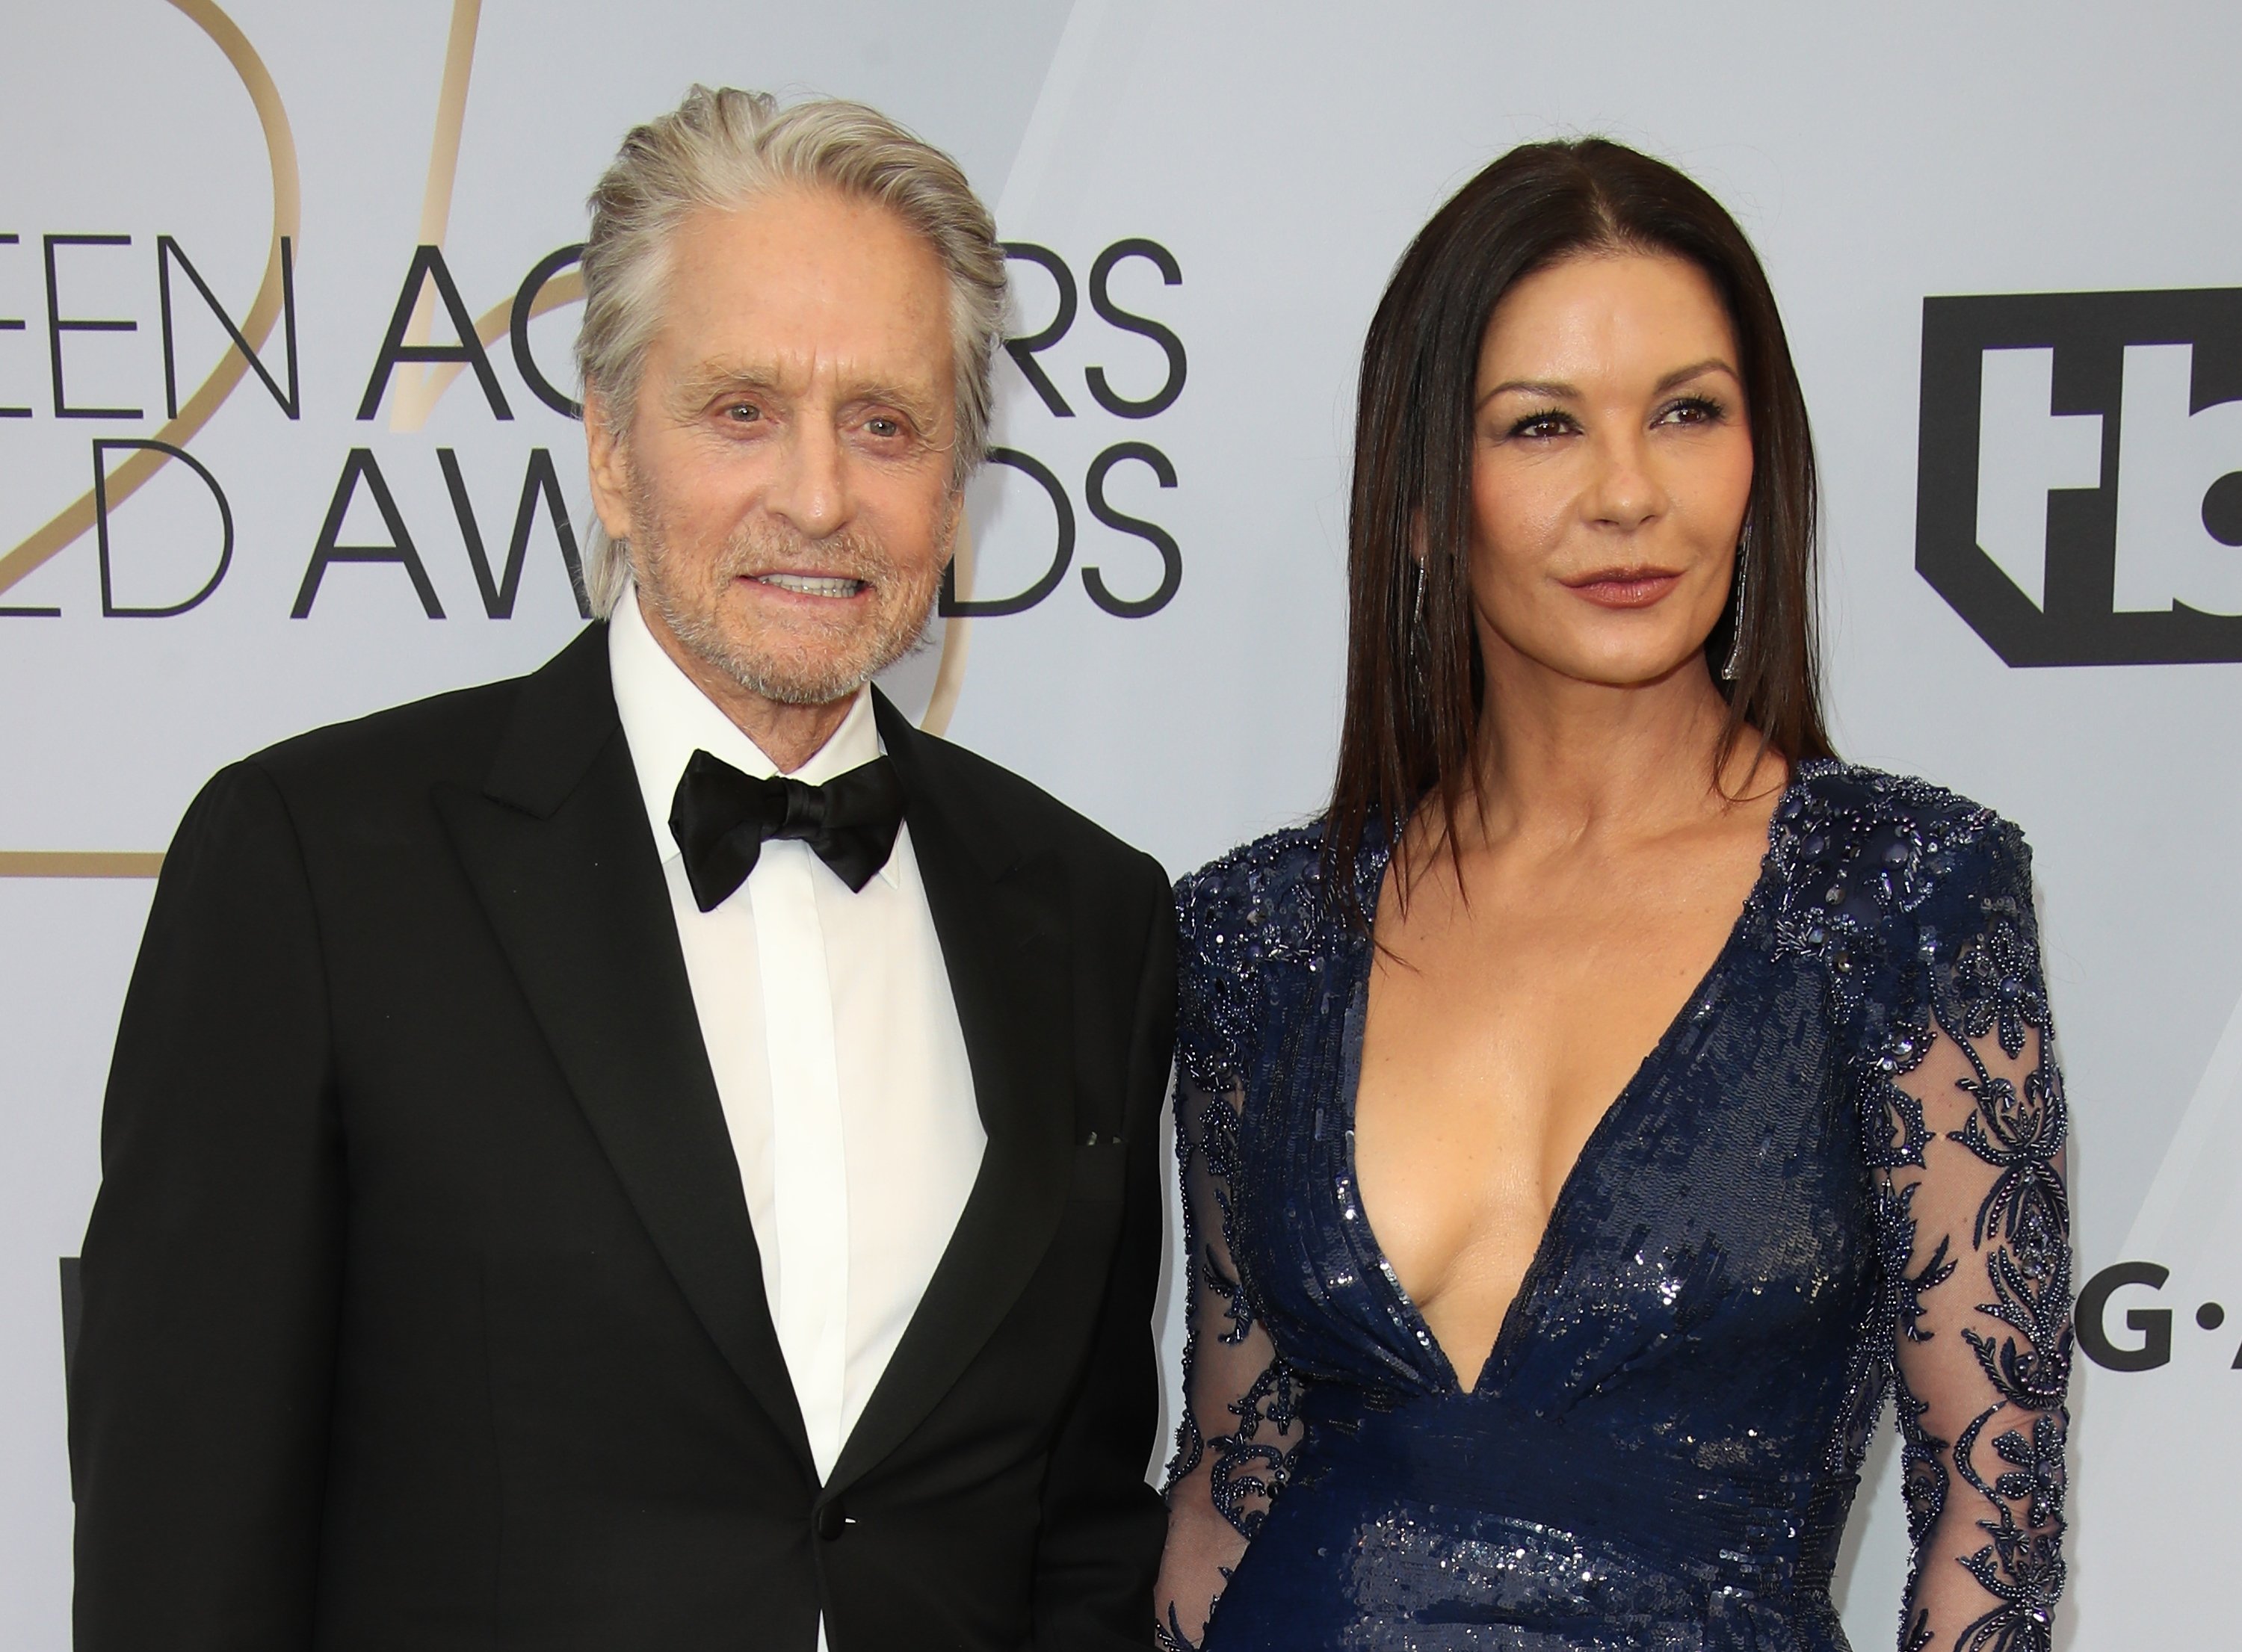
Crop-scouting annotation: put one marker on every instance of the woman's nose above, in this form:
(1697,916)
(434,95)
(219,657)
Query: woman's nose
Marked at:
(1624,494)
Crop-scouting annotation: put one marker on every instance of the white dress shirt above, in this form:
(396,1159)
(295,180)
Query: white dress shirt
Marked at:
(836,1046)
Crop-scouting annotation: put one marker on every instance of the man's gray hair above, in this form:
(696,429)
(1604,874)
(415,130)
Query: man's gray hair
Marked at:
(725,147)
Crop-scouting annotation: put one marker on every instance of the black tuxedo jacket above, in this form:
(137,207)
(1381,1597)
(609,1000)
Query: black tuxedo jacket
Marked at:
(422,1310)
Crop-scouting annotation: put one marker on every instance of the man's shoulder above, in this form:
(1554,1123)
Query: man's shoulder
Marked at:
(1037,820)
(401,751)
(423,734)
(389,760)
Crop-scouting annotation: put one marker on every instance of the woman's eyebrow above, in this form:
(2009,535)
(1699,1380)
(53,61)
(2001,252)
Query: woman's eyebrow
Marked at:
(1558,390)
(1695,369)
(1555,389)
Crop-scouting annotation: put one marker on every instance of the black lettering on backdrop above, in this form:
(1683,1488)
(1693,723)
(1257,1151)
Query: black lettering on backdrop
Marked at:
(12,323)
(14,611)
(398,550)
(58,324)
(166,250)
(525,301)
(2090,1317)
(540,482)
(1062,555)
(110,608)
(428,265)
(1102,302)
(500,586)
(2090,568)
(1023,349)
(1171,556)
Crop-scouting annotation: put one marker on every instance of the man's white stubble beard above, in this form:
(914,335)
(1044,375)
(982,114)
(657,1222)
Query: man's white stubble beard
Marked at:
(788,674)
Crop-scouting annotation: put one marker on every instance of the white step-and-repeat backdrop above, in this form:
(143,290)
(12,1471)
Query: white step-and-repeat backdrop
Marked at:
(2004,240)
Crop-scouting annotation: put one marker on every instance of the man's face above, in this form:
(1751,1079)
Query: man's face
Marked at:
(783,479)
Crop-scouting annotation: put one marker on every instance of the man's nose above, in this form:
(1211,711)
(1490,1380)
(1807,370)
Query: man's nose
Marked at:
(811,489)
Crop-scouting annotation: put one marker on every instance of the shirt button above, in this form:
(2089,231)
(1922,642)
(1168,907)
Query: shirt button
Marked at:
(831,1520)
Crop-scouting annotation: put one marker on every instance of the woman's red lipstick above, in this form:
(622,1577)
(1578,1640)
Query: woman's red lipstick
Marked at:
(1625,587)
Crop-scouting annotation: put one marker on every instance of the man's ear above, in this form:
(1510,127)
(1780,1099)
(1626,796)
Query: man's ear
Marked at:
(607,466)
(953,520)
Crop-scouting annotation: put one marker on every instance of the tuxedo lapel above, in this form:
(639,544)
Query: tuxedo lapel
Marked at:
(1005,950)
(560,854)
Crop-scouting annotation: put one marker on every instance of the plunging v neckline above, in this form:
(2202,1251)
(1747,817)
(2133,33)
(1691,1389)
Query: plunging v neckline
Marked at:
(1638,1083)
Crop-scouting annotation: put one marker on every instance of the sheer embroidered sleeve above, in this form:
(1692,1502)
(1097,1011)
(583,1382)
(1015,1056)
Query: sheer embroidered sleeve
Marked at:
(1976,1228)
(1239,1424)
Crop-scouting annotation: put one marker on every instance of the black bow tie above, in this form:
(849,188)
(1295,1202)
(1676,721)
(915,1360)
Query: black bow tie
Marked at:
(722,818)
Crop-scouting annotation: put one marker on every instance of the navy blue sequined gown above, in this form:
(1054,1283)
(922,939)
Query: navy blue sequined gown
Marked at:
(1837,1176)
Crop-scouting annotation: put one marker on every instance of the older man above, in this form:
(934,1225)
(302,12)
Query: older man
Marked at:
(659,1153)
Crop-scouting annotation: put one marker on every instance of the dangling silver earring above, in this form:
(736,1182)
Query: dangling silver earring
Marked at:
(1743,589)
(1416,648)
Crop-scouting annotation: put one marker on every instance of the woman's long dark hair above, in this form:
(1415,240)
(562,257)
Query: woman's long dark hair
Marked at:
(1413,687)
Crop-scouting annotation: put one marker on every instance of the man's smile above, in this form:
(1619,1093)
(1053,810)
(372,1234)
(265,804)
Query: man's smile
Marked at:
(811,585)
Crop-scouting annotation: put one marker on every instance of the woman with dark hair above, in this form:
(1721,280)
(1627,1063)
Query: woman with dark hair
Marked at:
(1591,1117)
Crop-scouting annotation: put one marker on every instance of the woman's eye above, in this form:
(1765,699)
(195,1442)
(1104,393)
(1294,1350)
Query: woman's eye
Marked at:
(1537,426)
(1693,410)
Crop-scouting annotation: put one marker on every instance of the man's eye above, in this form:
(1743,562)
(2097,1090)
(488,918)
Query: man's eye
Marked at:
(743,412)
(884,428)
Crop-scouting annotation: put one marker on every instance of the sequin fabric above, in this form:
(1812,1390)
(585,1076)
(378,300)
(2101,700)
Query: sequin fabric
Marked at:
(1836,1179)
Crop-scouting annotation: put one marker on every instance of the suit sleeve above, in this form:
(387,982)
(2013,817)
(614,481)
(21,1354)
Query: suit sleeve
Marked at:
(1102,1523)
(199,1393)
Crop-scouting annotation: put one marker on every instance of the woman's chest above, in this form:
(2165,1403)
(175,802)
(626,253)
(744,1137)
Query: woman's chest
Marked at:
(1719,1204)
(1506,1009)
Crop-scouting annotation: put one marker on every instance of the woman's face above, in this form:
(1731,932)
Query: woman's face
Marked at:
(1612,464)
